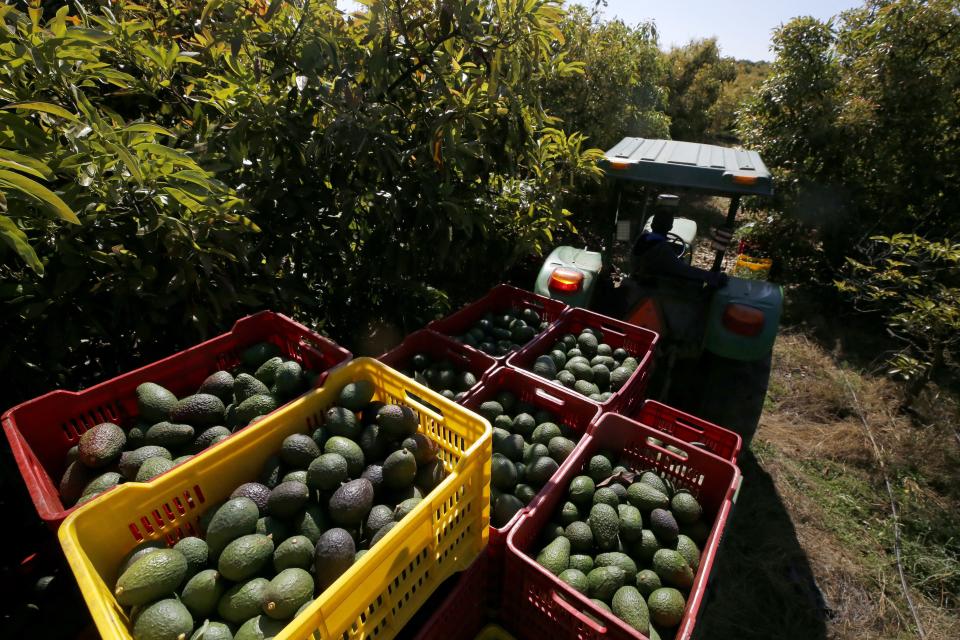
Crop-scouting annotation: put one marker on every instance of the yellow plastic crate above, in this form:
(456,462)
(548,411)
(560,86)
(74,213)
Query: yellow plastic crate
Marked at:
(378,594)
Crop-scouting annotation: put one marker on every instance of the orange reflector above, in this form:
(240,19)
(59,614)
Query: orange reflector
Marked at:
(619,165)
(743,320)
(744,179)
(564,279)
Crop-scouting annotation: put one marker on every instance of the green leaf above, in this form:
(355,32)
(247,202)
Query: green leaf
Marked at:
(37,190)
(132,165)
(146,127)
(25,164)
(210,7)
(44,107)
(17,240)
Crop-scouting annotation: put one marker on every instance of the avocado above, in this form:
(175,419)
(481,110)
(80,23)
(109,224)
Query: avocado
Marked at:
(490,410)
(685,508)
(430,476)
(569,513)
(257,492)
(424,449)
(154,402)
(287,498)
(259,353)
(647,582)
(544,432)
(298,475)
(101,483)
(524,424)
(334,554)
(604,582)
(580,536)
(290,381)
(555,556)
(381,533)
(628,605)
(311,522)
(666,607)
(600,468)
(260,627)
(581,562)
(576,579)
(588,344)
(663,525)
(655,481)
(253,407)
(153,467)
(287,592)
(688,549)
(541,470)
(560,448)
(207,438)
(350,504)
(646,497)
(619,377)
(163,620)
(295,551)
(267,372)
(643,549)
(243,601)
(566,378)
(581,491)
(196,552)
(169,435)
(202,593)
(605,526)
(142,549)
(350,451)
(379,515)
(270,474)
(244,557)
(617,559)
(503,473)
(672,568)
(545,367)
(212,631)
(405,507)
(299,450)
(504,508)
(327,472)
(236,517)
(199,410)
(508,444)
(100,445)
(153,576)
(220,384)
(398,421)
(399,470)
(631,522)
(246,386)
(606,495)
(356,395)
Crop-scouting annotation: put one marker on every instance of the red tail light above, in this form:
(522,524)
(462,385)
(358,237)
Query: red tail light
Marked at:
(566,280)
(743,320)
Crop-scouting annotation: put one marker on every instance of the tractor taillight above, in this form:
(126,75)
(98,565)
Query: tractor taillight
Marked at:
(743,320)
(741,179)
(566,280)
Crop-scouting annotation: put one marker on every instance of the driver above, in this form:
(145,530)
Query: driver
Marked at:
(656,255)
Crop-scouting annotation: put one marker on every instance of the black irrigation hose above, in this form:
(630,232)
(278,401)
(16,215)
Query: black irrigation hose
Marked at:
(893,506)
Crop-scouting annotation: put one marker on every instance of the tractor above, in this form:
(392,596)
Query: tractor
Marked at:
(716,341)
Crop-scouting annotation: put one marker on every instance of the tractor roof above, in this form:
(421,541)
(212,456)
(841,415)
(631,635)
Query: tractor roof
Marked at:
(686,165)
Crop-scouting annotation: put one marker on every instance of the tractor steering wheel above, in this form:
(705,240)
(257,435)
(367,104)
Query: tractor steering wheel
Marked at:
(678,244)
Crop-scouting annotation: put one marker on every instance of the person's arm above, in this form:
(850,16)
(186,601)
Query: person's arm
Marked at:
(661,260)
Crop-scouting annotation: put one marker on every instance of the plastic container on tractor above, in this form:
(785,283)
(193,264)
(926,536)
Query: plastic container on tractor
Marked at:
(542,606)
(42,430)
(501,298)
(743,319)
(639,342)
(440,347)
(378,594)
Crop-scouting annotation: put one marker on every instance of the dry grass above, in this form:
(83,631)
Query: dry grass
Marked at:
(810,549)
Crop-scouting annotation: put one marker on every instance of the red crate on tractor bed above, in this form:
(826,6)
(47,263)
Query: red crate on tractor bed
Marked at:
(501,298)
(438,347)
(541,605)
(639,342)
(696,431)
(42,430)
(569,408)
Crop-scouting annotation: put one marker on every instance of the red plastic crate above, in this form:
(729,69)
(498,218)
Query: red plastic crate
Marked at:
(41,430)
(570,408)
(639,342)
(544,607)
(467,607)
(440,347)
(691,429)
(501,298)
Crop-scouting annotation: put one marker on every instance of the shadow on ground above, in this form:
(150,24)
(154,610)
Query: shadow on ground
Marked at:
(762,584)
